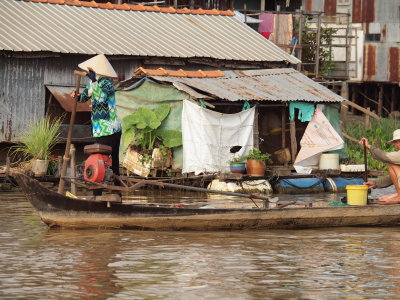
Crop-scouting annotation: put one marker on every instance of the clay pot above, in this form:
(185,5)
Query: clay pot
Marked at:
(255,167)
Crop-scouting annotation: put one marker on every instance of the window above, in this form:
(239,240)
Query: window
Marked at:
(373,37)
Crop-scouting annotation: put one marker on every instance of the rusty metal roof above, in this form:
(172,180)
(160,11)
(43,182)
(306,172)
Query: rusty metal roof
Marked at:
(73,28)
(260,85)
(63,96)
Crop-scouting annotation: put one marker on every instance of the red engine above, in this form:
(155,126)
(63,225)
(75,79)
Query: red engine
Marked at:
(98,164)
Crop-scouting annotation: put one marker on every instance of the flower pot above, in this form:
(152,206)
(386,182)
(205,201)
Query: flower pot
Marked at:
(238,167)
(255,167)
(39,167)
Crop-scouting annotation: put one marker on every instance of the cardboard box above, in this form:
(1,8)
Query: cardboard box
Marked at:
(132,162)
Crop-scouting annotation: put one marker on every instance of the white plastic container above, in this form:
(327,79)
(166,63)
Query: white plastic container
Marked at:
(329,161)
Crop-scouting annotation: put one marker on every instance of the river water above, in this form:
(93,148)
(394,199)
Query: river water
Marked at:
(339,263)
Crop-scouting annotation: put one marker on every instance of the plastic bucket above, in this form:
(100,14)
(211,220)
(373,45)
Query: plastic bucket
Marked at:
(329,161)
(357,194)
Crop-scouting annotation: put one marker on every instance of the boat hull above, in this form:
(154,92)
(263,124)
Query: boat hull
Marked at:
(57,210)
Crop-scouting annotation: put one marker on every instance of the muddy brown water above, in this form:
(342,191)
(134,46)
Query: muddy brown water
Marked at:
(336,263)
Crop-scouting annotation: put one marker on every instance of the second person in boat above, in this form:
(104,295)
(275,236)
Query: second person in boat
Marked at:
(393,163)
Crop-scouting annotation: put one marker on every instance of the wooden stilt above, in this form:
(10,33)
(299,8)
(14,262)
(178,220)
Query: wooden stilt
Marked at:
(293,141)
(380,100)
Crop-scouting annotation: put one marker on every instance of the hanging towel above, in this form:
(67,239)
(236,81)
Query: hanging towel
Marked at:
(306,111)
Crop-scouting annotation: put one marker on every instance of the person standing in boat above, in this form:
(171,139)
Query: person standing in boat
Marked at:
(393,161)
(106,126)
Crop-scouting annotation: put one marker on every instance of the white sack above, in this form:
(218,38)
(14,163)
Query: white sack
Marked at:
(208,136)
(318,137)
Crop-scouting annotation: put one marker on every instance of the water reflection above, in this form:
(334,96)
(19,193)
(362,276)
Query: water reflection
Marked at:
(340,263)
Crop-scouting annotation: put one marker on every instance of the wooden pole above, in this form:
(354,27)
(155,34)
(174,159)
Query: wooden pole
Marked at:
(7,172)
(365,163)
(70,129)
(255,129)
(318,44)
(283,127)
(293,141)
(196,189)
(73,165)
(367,122)
(300,42)
(380,100)
(393,99)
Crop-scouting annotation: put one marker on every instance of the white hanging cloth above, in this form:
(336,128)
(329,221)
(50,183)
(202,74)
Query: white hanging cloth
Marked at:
(208,136)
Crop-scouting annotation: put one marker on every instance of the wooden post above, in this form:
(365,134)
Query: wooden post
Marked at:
(344,92)
(300,42)
(283,126)
(175,3)
(348,46)
(72,165)
(393,99)
(367,122)
(380,100)
(354,94)
(70,129)
(7,172)
(318,42)
(255,129)
(293,141)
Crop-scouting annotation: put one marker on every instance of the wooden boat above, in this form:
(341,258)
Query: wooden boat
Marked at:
(57,210)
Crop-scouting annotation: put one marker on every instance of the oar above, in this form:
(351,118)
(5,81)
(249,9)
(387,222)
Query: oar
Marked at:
(365,162)
(66,156)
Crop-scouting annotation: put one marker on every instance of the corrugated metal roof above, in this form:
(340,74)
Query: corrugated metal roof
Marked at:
(261,85)
(65,28)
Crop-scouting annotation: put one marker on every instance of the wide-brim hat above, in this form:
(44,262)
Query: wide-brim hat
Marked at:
(100,65)
(396,136)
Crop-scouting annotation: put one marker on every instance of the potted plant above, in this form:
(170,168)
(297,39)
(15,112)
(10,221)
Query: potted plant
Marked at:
(37,142)
(142,133)
(255,163)
(237,164)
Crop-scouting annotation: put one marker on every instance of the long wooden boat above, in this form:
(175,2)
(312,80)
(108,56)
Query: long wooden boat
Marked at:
(57,210)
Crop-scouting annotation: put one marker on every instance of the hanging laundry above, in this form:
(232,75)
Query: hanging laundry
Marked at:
(306,111)
(319,137)
(267,25)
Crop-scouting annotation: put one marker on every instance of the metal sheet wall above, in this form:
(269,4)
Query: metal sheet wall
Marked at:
(23,87)
(22,94)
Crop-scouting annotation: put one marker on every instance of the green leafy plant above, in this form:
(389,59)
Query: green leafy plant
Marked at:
(309,41)
(378,135)
(141,128)
(38,140)
(256,154)
(237,159)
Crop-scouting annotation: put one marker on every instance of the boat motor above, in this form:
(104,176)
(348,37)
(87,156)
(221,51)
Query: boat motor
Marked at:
(98,164)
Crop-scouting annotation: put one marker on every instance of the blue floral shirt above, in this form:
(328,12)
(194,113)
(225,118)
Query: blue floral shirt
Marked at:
(104,112)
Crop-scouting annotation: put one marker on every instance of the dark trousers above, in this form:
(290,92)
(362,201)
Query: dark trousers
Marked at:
(112,141)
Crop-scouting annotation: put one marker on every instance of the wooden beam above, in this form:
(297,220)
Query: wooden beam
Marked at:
(362,109)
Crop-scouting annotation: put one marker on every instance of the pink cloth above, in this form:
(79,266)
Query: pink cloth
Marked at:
(267,25)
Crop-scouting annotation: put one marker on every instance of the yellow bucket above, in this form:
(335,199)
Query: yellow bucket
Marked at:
(357,194)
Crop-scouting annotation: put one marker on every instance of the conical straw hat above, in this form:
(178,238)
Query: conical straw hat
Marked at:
(100,66)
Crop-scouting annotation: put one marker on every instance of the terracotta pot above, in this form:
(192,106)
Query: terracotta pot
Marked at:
(255,167)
